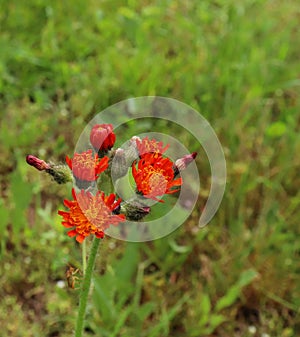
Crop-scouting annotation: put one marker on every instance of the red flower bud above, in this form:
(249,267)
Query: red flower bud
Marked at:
(102,137)
(182,163)
(39,164)
(60,173)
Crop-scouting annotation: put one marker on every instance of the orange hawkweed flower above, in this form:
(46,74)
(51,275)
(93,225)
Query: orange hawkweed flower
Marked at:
(86,166)
(154,176)
(147,145)
(90,214)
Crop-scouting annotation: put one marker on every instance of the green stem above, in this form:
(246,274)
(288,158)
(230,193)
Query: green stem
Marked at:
(83,246)
(86,284)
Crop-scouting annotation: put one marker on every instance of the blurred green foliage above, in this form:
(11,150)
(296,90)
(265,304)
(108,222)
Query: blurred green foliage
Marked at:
(235,62)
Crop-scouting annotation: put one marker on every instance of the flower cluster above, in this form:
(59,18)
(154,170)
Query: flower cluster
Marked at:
(91,213)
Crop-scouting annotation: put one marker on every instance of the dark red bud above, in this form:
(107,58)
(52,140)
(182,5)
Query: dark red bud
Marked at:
(102,137)
(39,164)
(183,162)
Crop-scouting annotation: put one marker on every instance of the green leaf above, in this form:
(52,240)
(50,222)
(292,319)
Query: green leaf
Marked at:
(121,321)
(276,129)
(247,277)
(103,297)
(4,216)
(126,267)
(214,321)
(145,310)
(21,191)
(179,249)
(205,306)
(234,292)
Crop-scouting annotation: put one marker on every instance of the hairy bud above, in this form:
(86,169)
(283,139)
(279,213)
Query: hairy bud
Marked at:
(119,166)
(182,163)
(135,210)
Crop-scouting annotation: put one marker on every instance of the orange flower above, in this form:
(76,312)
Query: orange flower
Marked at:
(154,176)
(102,137)
(147,145)
(87,167)
(90,214)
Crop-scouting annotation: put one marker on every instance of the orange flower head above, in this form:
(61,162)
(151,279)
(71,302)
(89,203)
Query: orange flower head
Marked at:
(102,137)
(90,214)
(86,166)
(147,145)
(154,176)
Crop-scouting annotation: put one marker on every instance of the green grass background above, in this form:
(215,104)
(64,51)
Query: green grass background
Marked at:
(237,62)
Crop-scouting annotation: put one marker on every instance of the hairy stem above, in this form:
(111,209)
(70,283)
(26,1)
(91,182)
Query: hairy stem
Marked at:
(85,287)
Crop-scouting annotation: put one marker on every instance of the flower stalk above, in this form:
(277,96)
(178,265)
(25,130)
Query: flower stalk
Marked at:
(83,252)
(85,288)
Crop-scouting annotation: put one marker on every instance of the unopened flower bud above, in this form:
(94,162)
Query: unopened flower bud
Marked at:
(60,173)
(102,138)
(119,167)
(131,152)
(135,210)
(182,163)
(39,164)
(134,140)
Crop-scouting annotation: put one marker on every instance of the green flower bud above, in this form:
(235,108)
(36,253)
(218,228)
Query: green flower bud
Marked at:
(119,167)
(60,173)
(135,210)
